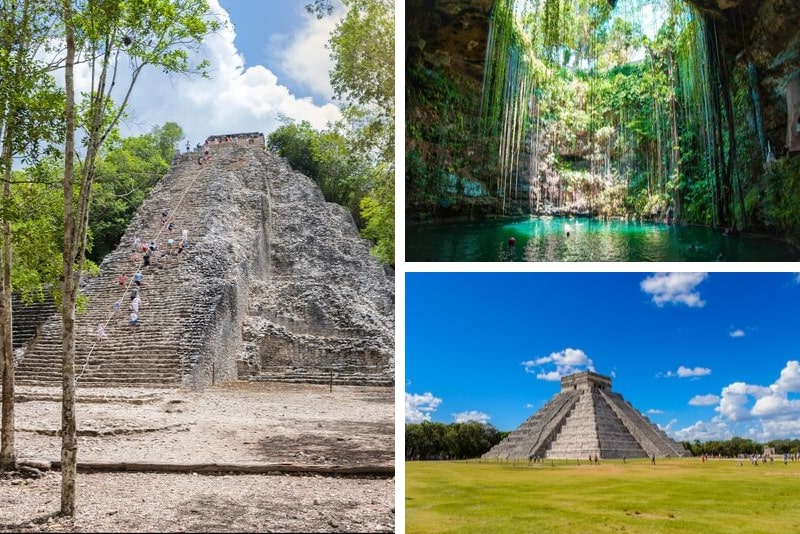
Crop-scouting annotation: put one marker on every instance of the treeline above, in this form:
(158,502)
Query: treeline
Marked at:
(456,441)
(739,446)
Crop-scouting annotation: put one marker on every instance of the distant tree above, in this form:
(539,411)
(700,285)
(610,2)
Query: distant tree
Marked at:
(168,137)
(124,176)
(437,441)
(293,141)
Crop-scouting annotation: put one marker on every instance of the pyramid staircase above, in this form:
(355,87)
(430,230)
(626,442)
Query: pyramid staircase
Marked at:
(28,318)
(584,419)
(174,315)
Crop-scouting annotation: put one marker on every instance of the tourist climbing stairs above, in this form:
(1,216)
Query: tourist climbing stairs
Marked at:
(171,319)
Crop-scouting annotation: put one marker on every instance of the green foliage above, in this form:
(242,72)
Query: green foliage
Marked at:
(328,158)
(294,142)
(378,210)
(775,195)
(731,448)
(437,441)
(125,174)
(36,236)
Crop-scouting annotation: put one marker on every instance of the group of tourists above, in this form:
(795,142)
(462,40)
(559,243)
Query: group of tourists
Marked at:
(147,254)
(251,138)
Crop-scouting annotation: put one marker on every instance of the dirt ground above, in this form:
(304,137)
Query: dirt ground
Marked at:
(242,423)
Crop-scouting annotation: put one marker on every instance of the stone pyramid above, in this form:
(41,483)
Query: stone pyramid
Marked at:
(586,418)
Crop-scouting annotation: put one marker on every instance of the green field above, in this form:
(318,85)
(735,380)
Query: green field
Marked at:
(678,495)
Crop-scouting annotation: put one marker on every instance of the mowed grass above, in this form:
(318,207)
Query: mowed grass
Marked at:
(679,495)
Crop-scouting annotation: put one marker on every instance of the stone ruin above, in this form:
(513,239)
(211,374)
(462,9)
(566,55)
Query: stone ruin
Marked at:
(586,418)
(275,284)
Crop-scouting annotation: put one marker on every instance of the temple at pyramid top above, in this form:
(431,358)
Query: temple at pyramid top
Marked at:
(585,380)
(586,418)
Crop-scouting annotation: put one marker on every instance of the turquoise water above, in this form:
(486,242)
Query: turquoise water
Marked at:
(545,239)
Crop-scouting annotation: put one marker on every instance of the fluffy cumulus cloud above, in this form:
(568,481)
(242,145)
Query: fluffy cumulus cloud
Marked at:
(751,410)
(789,381)
(471,415)
(420,407)
(567,362)
(704,400)
(674,288)
(737,333)
(735,397)
(704,431)
(687,372)
(233,99)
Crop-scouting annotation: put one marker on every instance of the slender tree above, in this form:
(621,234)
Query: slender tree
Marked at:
(29,116)
(146,32)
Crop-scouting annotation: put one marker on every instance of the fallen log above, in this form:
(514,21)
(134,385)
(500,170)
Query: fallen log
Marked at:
(383,471)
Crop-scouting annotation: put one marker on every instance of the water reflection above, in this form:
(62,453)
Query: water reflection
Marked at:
(546,239)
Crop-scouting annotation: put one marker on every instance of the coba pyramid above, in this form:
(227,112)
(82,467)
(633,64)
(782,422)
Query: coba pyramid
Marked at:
(586,418)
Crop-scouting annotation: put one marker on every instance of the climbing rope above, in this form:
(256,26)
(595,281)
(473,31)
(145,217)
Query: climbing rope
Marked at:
(163,225)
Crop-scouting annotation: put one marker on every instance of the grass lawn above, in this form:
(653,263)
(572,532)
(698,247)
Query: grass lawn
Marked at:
(677,495)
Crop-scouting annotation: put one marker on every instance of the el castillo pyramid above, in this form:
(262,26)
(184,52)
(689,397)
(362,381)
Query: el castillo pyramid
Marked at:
(586,418)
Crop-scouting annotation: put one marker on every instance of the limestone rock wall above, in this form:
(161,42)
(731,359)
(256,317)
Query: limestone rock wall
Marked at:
(324,307)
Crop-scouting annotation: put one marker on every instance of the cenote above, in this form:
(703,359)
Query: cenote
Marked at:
(590,239)
(519,112)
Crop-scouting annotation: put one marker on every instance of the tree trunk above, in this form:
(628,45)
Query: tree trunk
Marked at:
(69,446)
(8,458)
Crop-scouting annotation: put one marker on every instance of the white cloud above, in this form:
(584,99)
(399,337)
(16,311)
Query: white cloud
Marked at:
(704,400)
(733,404)
(758,412)
(567,362)
(686,372)
(668,426)
(704,431)
(529,405)
(306,60)
(234,99)
(674,288)
(420,407)
(653,411)
(737,333)
(789,380)
(471,415)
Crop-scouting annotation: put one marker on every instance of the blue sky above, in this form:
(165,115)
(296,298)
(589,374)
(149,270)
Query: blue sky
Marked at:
(269,60)
(705,356)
